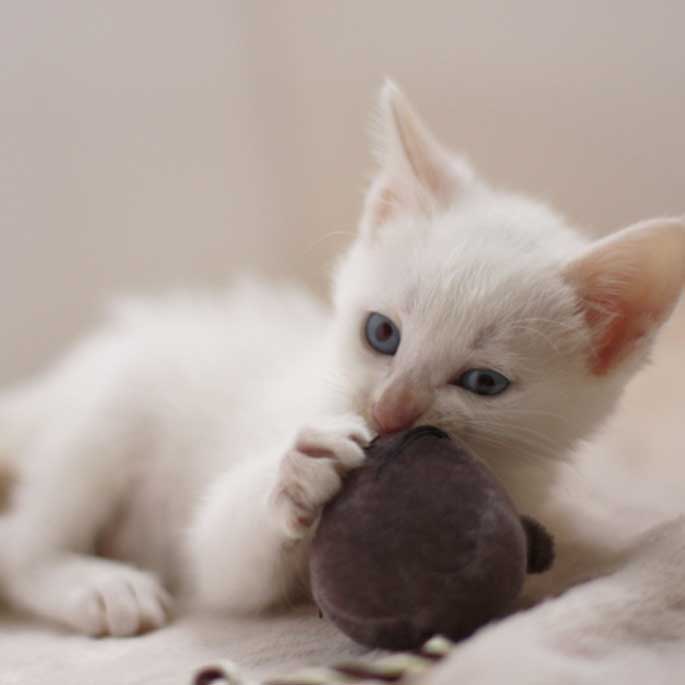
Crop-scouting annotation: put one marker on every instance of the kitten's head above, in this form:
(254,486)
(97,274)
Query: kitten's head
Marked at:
(483,313)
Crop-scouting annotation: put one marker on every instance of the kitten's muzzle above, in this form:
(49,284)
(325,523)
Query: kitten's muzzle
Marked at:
(399,407)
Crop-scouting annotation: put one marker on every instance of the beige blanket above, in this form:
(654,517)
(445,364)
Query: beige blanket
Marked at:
(34,655)
(31,654)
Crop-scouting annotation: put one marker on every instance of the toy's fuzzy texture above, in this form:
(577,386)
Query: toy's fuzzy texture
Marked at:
(420,541)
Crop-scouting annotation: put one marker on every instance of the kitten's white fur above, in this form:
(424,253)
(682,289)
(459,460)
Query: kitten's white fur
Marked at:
(197,437)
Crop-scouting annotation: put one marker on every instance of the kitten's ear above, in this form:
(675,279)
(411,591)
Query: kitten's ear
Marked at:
(628,284)
(417,175)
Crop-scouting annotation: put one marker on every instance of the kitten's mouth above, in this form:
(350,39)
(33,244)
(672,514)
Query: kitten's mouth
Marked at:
(417,427)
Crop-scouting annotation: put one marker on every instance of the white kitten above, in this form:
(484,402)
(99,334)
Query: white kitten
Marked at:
(198,437)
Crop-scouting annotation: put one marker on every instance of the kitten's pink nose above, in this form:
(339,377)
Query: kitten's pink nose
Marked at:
(397,409)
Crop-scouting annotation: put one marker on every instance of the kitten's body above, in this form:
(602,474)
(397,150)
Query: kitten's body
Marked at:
(198,437)
(175,392)
(212,390)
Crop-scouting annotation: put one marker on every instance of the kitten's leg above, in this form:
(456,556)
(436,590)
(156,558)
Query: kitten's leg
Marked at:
(91,595)
(69,479)
(248,547)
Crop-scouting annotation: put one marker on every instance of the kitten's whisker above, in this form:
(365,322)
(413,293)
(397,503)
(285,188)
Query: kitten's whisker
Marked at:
(555,322)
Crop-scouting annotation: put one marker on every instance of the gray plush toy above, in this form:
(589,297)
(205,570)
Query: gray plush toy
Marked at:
(421,540)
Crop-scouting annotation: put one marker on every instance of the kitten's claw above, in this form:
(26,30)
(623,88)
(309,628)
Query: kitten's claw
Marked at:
(311,471)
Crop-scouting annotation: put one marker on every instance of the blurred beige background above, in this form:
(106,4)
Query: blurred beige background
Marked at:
(152,144)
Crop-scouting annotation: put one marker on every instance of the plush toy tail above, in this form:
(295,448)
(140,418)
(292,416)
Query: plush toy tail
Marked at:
(540,546)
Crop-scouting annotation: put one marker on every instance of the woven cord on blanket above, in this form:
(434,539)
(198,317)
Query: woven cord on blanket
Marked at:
(396,668)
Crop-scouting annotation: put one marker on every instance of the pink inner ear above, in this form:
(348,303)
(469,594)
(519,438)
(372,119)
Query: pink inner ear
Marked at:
(628,284)
(619,327)
(611,339)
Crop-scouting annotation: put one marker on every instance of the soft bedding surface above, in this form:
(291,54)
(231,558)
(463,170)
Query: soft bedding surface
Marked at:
(31,654)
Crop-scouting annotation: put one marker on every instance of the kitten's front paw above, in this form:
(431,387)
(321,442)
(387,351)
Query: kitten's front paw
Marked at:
(120,603)
(312,469)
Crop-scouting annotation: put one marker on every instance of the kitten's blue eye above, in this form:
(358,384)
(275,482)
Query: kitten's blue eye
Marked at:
(382,334)
(483,381)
